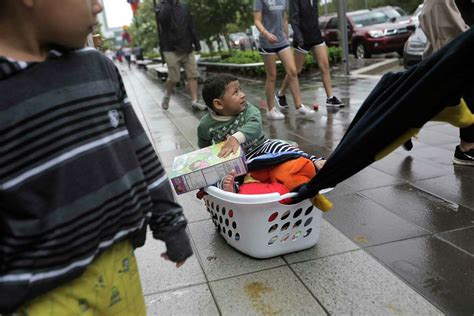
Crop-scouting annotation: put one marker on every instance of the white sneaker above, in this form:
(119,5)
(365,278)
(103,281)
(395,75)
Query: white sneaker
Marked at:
(305,111)
(198,106)
(274,114)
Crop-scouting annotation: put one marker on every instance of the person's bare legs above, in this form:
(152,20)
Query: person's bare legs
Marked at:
(193,87)
(271,72)
(169,87)
(299,63)
(287,59)
(320,53)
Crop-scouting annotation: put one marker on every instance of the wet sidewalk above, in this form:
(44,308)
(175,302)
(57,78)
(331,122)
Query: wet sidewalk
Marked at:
(399,241)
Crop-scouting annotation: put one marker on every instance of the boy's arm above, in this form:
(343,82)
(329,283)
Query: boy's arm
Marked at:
(203,136)
(167,220)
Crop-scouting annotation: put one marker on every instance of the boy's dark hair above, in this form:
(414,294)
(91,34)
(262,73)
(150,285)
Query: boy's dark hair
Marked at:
(214,88)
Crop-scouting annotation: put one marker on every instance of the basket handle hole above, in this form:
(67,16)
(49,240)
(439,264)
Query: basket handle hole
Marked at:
(298,213)
(273,217)
(296,235)
(273,228)
(297,224)
(272,240)
(285,215)
(285,238)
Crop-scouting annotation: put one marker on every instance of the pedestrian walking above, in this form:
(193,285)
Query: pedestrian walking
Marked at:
(442,21)
(307,38)
(127,54)
(271,20)
(178,34)
(79,179)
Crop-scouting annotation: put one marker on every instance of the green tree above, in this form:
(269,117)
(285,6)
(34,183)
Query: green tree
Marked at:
(215,17)
(143,29)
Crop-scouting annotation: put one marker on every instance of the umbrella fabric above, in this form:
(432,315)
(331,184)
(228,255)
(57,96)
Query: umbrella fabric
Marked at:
(399,105)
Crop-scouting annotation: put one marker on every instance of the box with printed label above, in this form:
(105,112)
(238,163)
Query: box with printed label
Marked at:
(203,167)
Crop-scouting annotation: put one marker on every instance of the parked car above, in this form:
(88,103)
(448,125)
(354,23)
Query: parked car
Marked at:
(369,32)
(414,18)
(414,48)
(324,19)
(254,36)
(396,14)
(239,41)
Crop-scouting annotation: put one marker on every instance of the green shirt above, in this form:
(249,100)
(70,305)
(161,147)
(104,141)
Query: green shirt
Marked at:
(214,128)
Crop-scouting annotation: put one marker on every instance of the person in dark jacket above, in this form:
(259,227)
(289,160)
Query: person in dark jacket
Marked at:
(177,36)
(307,37)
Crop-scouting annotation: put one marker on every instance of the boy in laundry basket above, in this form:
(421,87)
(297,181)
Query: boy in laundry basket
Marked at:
(79,180)
(232,119)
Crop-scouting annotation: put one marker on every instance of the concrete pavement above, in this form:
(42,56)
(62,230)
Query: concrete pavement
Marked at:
(400,240)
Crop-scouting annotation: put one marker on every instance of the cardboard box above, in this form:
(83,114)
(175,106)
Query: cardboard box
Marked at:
(202,168)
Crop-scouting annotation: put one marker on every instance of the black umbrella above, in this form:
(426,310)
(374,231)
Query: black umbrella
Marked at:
(399,105)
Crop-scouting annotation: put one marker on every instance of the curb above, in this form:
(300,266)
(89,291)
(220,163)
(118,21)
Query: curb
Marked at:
(377,68)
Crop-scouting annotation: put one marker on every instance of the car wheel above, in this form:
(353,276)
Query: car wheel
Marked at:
(361,52)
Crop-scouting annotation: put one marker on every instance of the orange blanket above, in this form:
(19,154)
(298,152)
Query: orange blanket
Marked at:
(291,174)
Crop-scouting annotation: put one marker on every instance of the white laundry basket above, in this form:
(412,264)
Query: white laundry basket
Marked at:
(260,226)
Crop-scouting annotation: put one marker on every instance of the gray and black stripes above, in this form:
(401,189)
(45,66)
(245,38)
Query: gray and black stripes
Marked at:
(77,171)
(278,146)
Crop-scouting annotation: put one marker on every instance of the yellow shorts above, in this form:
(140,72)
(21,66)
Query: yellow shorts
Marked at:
(175,61)
(108,286)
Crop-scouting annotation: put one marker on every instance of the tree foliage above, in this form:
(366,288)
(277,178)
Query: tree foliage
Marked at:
(220,17)
(213,16)
(143,29)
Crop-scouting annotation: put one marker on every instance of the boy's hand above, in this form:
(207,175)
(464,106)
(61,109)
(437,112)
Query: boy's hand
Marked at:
(230,147)
(178,264)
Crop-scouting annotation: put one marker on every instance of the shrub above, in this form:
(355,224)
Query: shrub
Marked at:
(152,55)
(243,57)
(250,57)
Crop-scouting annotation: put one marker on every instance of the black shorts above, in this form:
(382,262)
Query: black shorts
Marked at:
(307,47)
(272,51)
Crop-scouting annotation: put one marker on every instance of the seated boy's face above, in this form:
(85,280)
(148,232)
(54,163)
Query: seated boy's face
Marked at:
(66,22)
(233,99)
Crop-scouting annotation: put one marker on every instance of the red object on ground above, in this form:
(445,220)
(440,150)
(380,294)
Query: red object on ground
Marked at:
(316,107)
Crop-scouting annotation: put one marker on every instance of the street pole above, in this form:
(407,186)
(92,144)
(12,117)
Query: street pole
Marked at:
(344,41)
(326,7)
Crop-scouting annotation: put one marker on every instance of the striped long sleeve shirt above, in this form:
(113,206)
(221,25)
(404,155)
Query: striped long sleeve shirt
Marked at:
(77,174)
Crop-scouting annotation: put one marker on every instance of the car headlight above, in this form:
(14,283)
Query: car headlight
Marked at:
(236,42)
(376,33)
(415,47)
